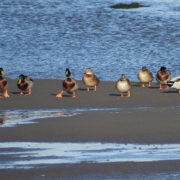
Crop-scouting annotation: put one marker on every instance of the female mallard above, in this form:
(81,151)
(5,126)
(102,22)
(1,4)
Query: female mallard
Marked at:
(145,76)
(162,76)
(175,83)
(3,84)
(123,85)
(69,85)
(90,80)
(25,84)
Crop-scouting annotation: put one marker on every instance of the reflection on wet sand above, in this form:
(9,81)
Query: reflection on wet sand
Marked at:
(3,117)
(12,118)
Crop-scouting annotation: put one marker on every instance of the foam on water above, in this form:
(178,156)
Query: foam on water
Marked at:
(25,155)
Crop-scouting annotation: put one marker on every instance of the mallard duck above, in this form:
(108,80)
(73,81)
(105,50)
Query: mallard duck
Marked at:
(175,83)
(25,84)
(69,85)
(145,76)
(3,84)
(123,85)
(90,80)
(162,76)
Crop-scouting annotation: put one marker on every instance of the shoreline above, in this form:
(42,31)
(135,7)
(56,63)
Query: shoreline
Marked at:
(158,124)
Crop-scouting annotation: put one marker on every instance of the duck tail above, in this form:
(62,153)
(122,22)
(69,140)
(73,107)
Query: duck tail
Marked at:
(170,83)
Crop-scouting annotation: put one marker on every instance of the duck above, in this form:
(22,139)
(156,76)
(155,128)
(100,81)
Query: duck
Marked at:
(69,85)
(163,76)
(90,79)
(175,83)
(145,76)
(25,83)
(3,84)
(123,85)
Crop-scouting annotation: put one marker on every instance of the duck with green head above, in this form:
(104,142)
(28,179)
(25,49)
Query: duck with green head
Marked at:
(3,84)
(25,84)
(69,85)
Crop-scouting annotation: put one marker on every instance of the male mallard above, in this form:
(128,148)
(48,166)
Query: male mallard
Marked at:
(69,85)
(25,84)
(175,83)
(123,85)
(3,84)
(90,80)
(145,76)
(162,76)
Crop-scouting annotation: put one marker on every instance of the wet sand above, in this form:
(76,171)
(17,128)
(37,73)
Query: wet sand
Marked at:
(149,116)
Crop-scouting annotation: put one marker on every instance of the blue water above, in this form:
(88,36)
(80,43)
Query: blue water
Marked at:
(41,38)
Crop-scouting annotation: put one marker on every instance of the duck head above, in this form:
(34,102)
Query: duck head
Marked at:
(89,71)
(144,68)
(21,78)
(1,72)
(123,77)
(162,68)
(67,72)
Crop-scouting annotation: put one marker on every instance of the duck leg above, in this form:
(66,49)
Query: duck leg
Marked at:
(167,88)
(142,85)
(29,92)
(21,93)
(95,88)
(129,94)
(179,91)
(160,87)
(59,95)
(149,85)
(88,89)
(122,94)
(74,95)
(6,95)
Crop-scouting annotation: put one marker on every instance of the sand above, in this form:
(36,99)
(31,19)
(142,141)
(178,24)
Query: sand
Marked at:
(148,116)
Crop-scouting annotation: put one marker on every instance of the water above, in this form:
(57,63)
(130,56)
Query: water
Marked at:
(40,38)
(25,155)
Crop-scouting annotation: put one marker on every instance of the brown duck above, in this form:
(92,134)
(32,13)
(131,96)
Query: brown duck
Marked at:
(3,84)
(145,76)
(90,79)
(123,85)
(163,76)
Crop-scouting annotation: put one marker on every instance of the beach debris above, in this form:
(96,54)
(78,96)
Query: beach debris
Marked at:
(90,79)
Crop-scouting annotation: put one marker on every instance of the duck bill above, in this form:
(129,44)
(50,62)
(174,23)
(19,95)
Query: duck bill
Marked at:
(19,82)
(3,73)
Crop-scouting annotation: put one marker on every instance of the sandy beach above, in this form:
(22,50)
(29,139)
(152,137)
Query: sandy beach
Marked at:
(149,116)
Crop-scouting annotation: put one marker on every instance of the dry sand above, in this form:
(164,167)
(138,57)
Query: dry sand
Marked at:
(159,123)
